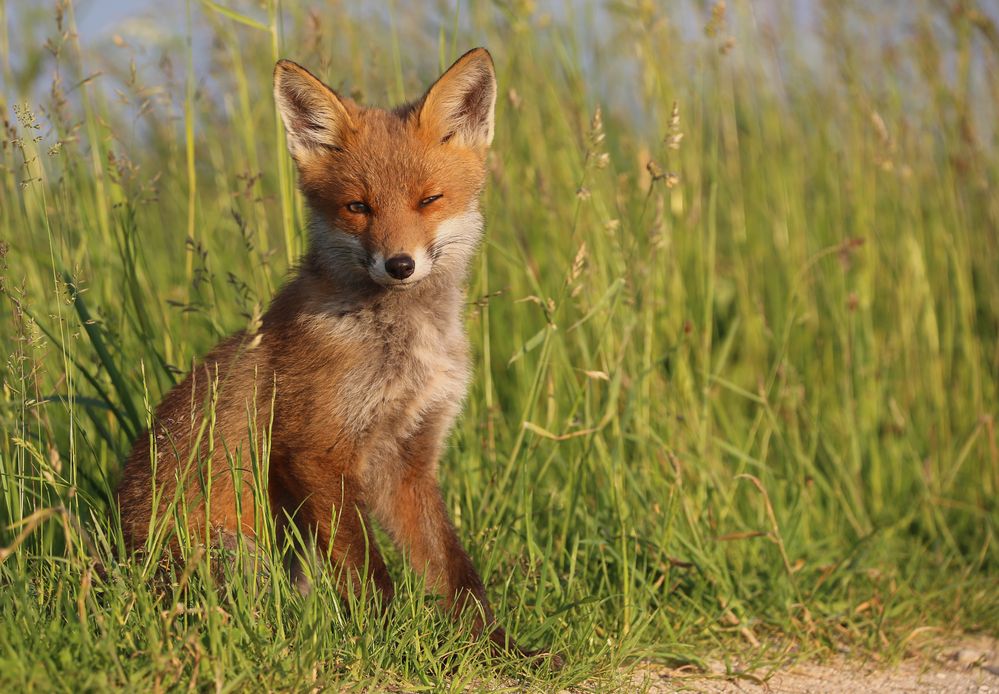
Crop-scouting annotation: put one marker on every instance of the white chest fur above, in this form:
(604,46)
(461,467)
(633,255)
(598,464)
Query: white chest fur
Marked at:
(407,365)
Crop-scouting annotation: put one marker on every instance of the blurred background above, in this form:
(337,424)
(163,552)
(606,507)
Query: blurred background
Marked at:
(790,33)
(735,320)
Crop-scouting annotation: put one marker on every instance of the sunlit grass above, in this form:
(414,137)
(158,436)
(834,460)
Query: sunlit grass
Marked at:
(736,336)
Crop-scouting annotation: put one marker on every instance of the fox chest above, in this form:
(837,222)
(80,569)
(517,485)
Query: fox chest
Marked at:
(392,378)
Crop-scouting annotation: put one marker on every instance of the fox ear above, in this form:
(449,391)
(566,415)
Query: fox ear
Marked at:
(459,106)
(312,113)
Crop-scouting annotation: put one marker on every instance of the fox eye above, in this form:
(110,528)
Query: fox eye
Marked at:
(358,207)
(426,201)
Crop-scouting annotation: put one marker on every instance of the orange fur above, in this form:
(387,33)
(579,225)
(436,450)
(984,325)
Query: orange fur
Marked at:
(358,375)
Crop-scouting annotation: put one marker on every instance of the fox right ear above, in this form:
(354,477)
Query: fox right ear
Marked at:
(459,106)
(313,114)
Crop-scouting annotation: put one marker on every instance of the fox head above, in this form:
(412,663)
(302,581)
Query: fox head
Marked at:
(394,193)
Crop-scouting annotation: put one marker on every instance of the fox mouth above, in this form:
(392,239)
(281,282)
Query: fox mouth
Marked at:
(398,285)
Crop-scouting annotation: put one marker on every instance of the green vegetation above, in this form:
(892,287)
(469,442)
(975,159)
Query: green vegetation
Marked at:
(737,362)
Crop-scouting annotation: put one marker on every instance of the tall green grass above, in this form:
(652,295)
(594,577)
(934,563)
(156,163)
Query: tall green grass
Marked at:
(736,325)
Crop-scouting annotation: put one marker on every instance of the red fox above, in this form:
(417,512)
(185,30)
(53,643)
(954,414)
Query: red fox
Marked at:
(360,364)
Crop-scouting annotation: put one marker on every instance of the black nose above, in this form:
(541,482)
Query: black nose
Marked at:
(400,266)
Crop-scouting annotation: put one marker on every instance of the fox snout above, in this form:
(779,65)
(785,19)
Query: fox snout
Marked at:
(400,268)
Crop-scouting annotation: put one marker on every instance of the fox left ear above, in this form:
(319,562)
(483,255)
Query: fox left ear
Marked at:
(459,106)
(314,116)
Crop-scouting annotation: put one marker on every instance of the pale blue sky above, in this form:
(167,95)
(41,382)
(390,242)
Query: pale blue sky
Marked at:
(97,18)
(141,20)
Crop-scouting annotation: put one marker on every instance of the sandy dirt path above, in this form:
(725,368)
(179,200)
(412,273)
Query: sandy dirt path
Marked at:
(970,666)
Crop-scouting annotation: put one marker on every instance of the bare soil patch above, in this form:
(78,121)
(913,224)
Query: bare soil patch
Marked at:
(970,666)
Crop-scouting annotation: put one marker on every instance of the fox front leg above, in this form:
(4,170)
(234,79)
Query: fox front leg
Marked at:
(410,507)
(417,519)
(334,516)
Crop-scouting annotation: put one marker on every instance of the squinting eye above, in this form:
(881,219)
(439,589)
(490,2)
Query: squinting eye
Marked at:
(358,207)
(426,201)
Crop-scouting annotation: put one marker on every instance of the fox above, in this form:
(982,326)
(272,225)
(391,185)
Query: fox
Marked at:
(360,364)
